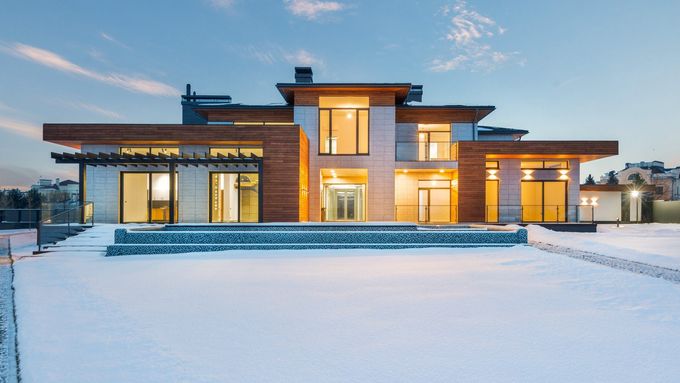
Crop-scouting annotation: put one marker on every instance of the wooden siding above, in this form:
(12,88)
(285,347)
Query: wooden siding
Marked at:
(425,115)
(282,152)
(276,114)
(472,156)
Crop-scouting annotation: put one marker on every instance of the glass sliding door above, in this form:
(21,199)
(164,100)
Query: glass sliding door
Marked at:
(544,201)
(234,197)
(344,202)
(492,193)
(434,201)
(145,197)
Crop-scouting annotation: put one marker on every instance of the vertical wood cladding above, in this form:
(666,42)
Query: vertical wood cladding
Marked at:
(282,152)
(472,156)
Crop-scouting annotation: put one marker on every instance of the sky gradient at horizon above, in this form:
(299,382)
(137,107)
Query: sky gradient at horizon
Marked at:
(574,70)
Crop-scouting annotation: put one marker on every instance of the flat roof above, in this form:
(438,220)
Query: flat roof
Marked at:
(401,89)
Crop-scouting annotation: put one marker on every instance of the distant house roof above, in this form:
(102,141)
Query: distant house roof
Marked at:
(498,130)
(67,182)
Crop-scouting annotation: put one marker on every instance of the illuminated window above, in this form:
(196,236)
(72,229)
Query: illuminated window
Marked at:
(234,197)
(492,164)
(343,125)
(235,150)
(434,142)
(544,201)
(545,165)
(149,150)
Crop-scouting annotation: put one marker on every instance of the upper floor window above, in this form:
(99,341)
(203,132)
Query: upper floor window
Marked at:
(557,164)
(343,125)
(235,151)
(434,142)
(149,150)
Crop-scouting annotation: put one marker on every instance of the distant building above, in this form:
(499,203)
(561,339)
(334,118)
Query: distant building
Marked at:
(47,188)
(665,180)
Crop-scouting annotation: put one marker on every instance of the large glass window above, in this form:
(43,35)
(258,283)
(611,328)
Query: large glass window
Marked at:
(434,142)
(343,125)
(146,197)
(544,201)
(344,202)
(234,197)
(235,151)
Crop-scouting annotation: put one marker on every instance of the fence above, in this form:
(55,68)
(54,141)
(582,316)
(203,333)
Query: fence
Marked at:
(538,213)
(666,211)
(426,213)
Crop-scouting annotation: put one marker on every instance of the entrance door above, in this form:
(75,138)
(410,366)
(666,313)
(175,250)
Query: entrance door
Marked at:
(344,202)
(145,197)
(434,204)
(544,201)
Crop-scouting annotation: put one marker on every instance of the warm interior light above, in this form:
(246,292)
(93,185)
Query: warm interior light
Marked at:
(349,116)
(454,183)
(405,170)
(441,170)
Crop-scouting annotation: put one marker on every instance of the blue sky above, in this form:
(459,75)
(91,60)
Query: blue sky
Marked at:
(563,70)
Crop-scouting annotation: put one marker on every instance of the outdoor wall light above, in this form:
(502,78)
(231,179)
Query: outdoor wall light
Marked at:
(635,194)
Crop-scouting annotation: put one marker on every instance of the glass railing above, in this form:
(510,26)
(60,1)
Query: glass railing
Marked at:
(60,226)
(426,213)
(538,213)
(426,151)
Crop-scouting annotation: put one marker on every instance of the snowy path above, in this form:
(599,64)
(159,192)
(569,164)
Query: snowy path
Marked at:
(653,244)
(435,315)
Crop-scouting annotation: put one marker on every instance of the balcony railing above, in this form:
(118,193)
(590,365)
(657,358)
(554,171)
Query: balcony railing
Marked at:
(426,151)
(426,213)
(538,213)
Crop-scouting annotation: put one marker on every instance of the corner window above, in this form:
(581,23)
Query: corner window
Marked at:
(558,165)
(343,125)
(434,142)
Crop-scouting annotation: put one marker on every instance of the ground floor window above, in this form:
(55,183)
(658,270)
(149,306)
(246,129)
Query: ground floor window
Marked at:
(344,202)
(145,197)
(492,193)
(544,201)
(234,197)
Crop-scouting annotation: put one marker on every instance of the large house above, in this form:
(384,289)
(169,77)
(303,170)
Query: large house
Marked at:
(666,181)
(329,152)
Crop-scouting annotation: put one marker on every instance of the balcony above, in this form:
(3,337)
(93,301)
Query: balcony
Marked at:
(426,151)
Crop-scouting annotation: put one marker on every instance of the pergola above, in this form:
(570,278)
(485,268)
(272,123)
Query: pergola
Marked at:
(158,160)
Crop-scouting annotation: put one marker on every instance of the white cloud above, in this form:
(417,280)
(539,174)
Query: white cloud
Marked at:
(273,54)
(302,57)
(312,9)
(52,60)
(23,128)
(224,4)
(113,40)
(96,109)
(470,34)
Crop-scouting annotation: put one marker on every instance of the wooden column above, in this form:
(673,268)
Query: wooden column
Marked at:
(173,192)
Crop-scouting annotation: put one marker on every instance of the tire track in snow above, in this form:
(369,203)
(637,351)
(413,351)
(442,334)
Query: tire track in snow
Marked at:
(668,274)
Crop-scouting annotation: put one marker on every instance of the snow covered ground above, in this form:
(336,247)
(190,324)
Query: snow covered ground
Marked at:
(656,243)
(418,315)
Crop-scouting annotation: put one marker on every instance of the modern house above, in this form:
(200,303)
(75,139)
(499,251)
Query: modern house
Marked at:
(329,152)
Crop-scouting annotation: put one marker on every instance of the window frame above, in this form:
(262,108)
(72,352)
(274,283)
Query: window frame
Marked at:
(543,165)
(148,149)
(237,148)
(330,132)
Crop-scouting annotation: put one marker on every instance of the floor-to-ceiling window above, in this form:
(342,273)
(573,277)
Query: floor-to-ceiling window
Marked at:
(145,197)
(434,142)
(343,125)
(544,201)
(234,197)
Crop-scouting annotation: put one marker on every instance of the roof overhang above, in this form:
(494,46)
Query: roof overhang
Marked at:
(75,135)
(400,90)
(584,151)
